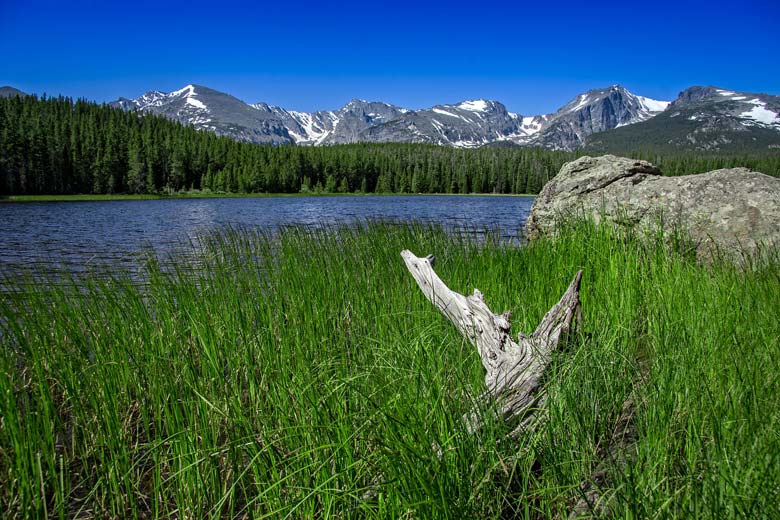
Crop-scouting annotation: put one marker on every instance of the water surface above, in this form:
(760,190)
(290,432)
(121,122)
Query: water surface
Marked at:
(83,236)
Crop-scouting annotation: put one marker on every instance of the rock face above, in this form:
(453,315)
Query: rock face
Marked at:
(733,210)
(464,125)
(208,109)
(701,118)
(593,112)
(467,124)
(605,120)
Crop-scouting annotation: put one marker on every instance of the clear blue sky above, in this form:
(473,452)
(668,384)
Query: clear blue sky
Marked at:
(532,56)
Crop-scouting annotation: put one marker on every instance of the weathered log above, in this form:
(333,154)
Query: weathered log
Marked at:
(513,370)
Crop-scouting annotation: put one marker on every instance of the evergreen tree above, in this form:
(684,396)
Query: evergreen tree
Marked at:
(56,145)
(330,184)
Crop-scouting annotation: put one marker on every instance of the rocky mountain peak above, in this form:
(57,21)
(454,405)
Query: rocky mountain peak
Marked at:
(696,94)
(468,123)
(712,102)
(8,91)
(703,119)
(366,107)
(212,110)
(591,112)
(477,105)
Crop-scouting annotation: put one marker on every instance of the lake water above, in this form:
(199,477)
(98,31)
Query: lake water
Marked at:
(81,236)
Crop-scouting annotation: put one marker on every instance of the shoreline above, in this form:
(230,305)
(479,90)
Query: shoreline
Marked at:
(201,195)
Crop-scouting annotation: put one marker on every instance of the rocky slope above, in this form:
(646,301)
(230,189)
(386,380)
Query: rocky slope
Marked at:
(467,124)
(208,109)
(608,119)
(593,112)
(345,125)
(701,119)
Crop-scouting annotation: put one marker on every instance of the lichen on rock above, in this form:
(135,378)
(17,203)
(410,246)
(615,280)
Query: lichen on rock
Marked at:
(733,211)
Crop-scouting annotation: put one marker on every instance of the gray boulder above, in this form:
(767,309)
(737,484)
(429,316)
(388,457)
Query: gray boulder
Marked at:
(732,210)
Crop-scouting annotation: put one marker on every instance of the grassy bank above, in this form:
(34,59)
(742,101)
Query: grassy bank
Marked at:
(124,196)
(214,195)
(119,196)
(304,376)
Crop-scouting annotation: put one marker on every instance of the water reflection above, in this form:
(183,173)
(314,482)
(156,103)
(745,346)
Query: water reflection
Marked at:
(92,237)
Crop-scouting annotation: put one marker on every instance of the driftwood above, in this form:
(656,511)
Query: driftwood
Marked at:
(513,370)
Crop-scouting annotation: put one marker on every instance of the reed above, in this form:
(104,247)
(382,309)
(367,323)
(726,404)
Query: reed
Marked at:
(302,374)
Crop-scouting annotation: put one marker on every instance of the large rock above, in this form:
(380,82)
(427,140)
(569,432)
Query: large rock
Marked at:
(733,210)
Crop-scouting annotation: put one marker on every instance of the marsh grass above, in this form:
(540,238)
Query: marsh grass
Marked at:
(303,375)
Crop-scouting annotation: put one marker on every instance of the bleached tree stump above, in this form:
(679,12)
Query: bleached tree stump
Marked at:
(513,369)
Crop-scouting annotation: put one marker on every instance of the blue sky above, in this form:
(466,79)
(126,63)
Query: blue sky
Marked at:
(532,56)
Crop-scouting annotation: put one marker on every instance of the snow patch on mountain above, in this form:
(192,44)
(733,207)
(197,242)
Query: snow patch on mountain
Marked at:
(760,113)
(194,102)
(582,101)
(445,113)
(476,105)
(653,105)
(467,124)
(532,125)
(468,144)
(315,133)
(189,89)
(190,96)
(438,126)
(152,98)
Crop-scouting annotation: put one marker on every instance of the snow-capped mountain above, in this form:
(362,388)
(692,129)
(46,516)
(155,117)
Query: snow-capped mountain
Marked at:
(478,122)
(466,124)
(592,112)
(302,127)
(209,109)
(333,127)
(759,110)
(703,118)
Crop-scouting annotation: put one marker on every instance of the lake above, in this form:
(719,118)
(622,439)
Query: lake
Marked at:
(43,237)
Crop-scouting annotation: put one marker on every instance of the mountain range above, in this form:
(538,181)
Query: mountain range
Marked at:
(467,124)
(701,119)
(610,119)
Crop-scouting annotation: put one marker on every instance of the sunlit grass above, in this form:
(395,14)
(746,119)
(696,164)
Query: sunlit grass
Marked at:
(304,375)
(197,194)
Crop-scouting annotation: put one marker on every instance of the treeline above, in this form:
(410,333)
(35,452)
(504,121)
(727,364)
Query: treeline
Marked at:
(58,146)
(687,163)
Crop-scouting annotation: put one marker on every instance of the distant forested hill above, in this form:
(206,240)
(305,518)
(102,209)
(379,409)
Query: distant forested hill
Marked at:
(58,146)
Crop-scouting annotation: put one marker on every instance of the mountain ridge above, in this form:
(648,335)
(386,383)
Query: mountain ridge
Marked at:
(8,91)
(701,119)
(467,124)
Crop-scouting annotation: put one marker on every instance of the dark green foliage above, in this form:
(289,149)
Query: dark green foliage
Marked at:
(679,144)
(57,146)
(688,163)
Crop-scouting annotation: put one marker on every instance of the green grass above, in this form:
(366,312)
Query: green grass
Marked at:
(126,196)
(304,375)
(218,195)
